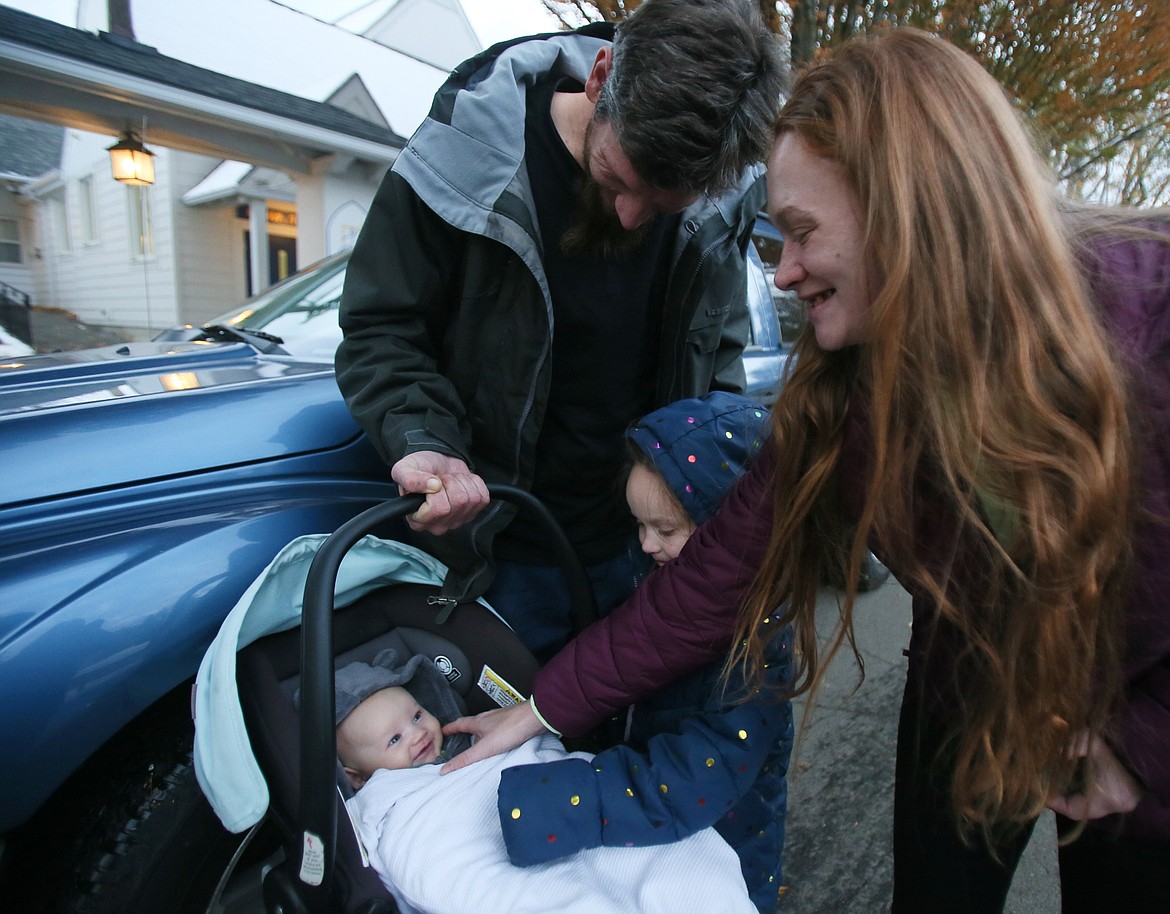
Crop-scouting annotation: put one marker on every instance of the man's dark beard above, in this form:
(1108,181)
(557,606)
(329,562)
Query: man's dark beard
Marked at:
(596,231)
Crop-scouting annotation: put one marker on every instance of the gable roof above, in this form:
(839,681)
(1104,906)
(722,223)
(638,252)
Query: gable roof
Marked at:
(434,30)
(108,84)
(29,148)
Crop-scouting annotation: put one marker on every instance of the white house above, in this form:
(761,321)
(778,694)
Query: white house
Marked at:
(28,149)
(271,131)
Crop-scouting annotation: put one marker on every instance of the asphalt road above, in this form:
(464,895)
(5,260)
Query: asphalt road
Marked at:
(837,856)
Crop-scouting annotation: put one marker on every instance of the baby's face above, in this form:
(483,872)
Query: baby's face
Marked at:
(388,730)
(663,526)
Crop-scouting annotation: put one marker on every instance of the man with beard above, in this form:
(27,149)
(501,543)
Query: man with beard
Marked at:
(558,250)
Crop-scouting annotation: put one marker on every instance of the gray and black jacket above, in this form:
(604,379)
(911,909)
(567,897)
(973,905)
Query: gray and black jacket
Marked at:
(446,311)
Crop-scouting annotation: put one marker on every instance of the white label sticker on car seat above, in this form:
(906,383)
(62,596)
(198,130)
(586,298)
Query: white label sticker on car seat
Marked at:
(312,860)
(498,689)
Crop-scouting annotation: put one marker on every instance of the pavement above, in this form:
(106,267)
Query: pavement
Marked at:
(57,330)
(837,855)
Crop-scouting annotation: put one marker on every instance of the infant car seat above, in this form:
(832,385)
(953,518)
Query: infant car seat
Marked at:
(296,752)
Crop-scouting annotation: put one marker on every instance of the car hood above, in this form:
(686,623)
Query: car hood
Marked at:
(100,418)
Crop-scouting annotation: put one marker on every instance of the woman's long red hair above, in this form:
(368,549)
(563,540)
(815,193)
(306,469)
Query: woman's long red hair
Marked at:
(985,366)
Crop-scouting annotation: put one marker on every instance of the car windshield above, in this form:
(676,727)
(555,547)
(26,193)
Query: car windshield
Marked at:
(302,311)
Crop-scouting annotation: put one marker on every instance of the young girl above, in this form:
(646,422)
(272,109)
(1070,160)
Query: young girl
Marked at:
(701,751)
(984,391)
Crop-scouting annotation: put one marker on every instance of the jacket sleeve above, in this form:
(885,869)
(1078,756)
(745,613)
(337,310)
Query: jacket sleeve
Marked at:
(729,372)
(1133,285)
(397,301)
(685,781)
(680,618)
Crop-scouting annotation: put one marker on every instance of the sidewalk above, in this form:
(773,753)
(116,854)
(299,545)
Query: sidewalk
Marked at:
(55,330)
(837,855)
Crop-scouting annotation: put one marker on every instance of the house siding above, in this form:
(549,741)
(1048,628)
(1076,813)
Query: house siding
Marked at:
(215,278)
(102,280)
(20,276)
(198,268)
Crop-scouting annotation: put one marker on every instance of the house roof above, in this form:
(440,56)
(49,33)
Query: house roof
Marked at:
(29,148)
(108,84)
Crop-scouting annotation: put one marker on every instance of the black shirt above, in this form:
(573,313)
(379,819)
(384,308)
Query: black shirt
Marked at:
(607,316)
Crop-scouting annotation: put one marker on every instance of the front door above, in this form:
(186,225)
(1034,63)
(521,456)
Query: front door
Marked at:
(282,259)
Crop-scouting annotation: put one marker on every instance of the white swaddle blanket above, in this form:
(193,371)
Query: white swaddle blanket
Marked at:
(435,842)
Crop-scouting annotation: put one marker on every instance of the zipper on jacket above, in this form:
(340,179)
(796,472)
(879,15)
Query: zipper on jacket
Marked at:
(478,524)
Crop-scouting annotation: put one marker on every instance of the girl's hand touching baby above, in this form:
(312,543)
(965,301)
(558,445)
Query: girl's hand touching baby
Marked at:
(494,732)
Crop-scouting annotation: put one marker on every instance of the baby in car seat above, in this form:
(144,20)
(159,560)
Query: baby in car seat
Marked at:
(381,724)
(389,729)
(435,841)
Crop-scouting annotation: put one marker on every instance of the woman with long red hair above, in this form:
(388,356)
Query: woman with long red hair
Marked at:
(981,396)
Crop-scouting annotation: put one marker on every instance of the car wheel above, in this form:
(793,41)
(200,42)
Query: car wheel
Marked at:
(138,837)
(873,575)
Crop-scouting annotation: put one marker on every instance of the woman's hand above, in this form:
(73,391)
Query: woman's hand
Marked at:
(1110,788)
(495,732)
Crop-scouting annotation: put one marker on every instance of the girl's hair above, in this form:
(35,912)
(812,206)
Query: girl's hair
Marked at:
(987,378)
(637,457)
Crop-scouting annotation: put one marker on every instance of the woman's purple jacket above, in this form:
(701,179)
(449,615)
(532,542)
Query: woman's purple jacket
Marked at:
(682,616)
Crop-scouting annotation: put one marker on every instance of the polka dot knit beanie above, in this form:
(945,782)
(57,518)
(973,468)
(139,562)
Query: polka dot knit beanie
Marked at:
(701,446)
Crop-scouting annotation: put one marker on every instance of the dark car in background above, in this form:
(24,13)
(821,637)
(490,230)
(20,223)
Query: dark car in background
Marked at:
(768,243)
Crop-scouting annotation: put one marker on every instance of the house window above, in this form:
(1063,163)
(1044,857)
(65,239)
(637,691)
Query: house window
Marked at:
(88,211)
(141,221)
(9,240)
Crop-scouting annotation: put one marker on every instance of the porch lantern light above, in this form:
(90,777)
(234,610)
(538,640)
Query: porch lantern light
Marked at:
(130,161)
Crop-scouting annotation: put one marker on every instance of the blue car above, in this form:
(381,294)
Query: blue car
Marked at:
(145,486)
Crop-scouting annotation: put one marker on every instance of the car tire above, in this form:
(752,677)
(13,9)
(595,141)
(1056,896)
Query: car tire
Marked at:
(135,835)
(873,574)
